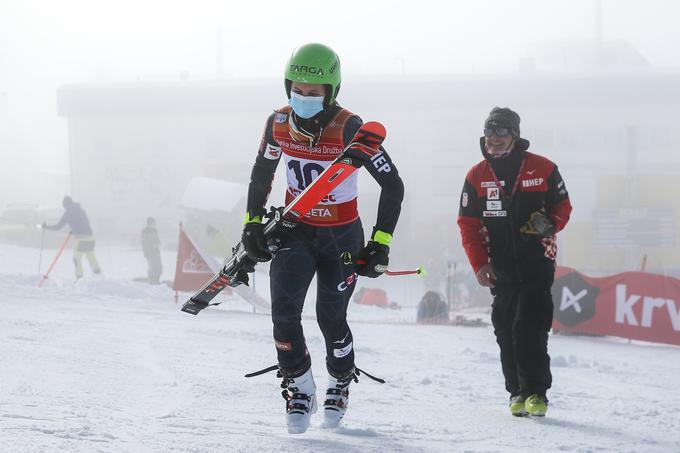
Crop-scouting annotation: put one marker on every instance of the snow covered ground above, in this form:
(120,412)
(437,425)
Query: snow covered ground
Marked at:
(109,365)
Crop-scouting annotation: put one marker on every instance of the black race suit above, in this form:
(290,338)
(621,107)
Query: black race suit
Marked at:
(313,247)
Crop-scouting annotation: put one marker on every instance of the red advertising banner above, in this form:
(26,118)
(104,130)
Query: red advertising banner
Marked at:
(194,266)
(632,305)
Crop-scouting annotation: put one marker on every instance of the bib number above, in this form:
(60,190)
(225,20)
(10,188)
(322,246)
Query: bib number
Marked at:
(305,174)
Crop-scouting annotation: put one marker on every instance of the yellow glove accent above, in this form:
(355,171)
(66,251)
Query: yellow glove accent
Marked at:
(382,238)
(248,219)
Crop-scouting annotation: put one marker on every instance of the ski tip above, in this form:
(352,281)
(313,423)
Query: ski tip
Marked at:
(375,127)
(372,131)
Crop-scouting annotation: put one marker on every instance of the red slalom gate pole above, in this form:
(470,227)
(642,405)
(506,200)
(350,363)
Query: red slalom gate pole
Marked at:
(61,250)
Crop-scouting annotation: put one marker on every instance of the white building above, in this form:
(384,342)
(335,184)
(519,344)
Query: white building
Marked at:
(135,146)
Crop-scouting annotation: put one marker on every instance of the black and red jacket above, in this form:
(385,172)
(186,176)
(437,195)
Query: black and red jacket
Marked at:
(498,197)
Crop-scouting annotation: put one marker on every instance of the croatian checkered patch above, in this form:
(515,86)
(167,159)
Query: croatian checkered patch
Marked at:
(550,247)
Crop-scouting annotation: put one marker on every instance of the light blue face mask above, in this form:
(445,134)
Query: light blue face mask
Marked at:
(306,106)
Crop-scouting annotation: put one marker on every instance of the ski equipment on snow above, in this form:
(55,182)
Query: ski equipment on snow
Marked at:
(300,406)
(367,139)
(61,250)
(42,247)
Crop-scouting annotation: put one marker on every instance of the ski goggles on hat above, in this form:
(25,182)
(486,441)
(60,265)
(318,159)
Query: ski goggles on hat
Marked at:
(497,131)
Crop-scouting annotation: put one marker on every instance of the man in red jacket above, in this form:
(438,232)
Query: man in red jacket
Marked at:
(513,203)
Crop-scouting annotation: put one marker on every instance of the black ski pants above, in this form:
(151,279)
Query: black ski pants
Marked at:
(305,251)
(155,267)
(522,316)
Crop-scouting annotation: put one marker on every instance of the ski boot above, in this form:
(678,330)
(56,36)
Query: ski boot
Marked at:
(518,406)
(536,405)
(300,395)
(337,394)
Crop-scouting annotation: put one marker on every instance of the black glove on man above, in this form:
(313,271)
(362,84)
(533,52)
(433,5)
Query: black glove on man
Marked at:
(538,225)
(254,242)
(374,258)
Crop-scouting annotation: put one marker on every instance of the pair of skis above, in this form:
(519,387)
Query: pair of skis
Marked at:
(365,144)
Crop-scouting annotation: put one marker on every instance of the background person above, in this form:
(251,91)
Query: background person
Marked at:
(512,205)
(75,217)
(151,246)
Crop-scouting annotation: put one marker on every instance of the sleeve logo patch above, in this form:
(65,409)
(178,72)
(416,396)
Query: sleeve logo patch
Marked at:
(342,352)
(493,205)
(281,118)
(526,183)
(464,200)
(380,163)
(494,213)
(284,346)
(272,152)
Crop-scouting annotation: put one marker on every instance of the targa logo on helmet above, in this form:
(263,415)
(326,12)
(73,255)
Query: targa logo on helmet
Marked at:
(314,63)
(335,66)
(307,69)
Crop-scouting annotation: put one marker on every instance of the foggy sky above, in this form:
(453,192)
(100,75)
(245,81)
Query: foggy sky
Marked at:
(44,44)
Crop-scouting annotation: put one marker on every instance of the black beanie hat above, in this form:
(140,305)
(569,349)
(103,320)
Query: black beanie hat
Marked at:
(503,117)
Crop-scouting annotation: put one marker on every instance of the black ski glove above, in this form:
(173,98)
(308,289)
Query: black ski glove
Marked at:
(242,275)
(255,243)
(538,225)
(373,260)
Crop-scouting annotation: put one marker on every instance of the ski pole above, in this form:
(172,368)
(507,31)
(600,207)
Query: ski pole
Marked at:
(42,243)
(347,259)
(417,271)
(61,250)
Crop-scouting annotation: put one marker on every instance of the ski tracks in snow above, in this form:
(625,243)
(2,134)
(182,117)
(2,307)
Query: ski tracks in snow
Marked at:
(90,368)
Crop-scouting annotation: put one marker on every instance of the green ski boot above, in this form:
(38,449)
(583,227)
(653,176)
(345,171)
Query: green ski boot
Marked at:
(517,406)
(536,405)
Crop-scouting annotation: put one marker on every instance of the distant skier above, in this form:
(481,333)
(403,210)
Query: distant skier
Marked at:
(151,246)
(75,217)
(310,133)
(512,205)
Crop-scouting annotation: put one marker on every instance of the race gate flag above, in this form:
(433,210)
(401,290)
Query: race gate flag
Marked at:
(194,266)
(633,305)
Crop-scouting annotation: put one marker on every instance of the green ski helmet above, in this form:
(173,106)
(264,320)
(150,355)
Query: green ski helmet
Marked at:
(314,63)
